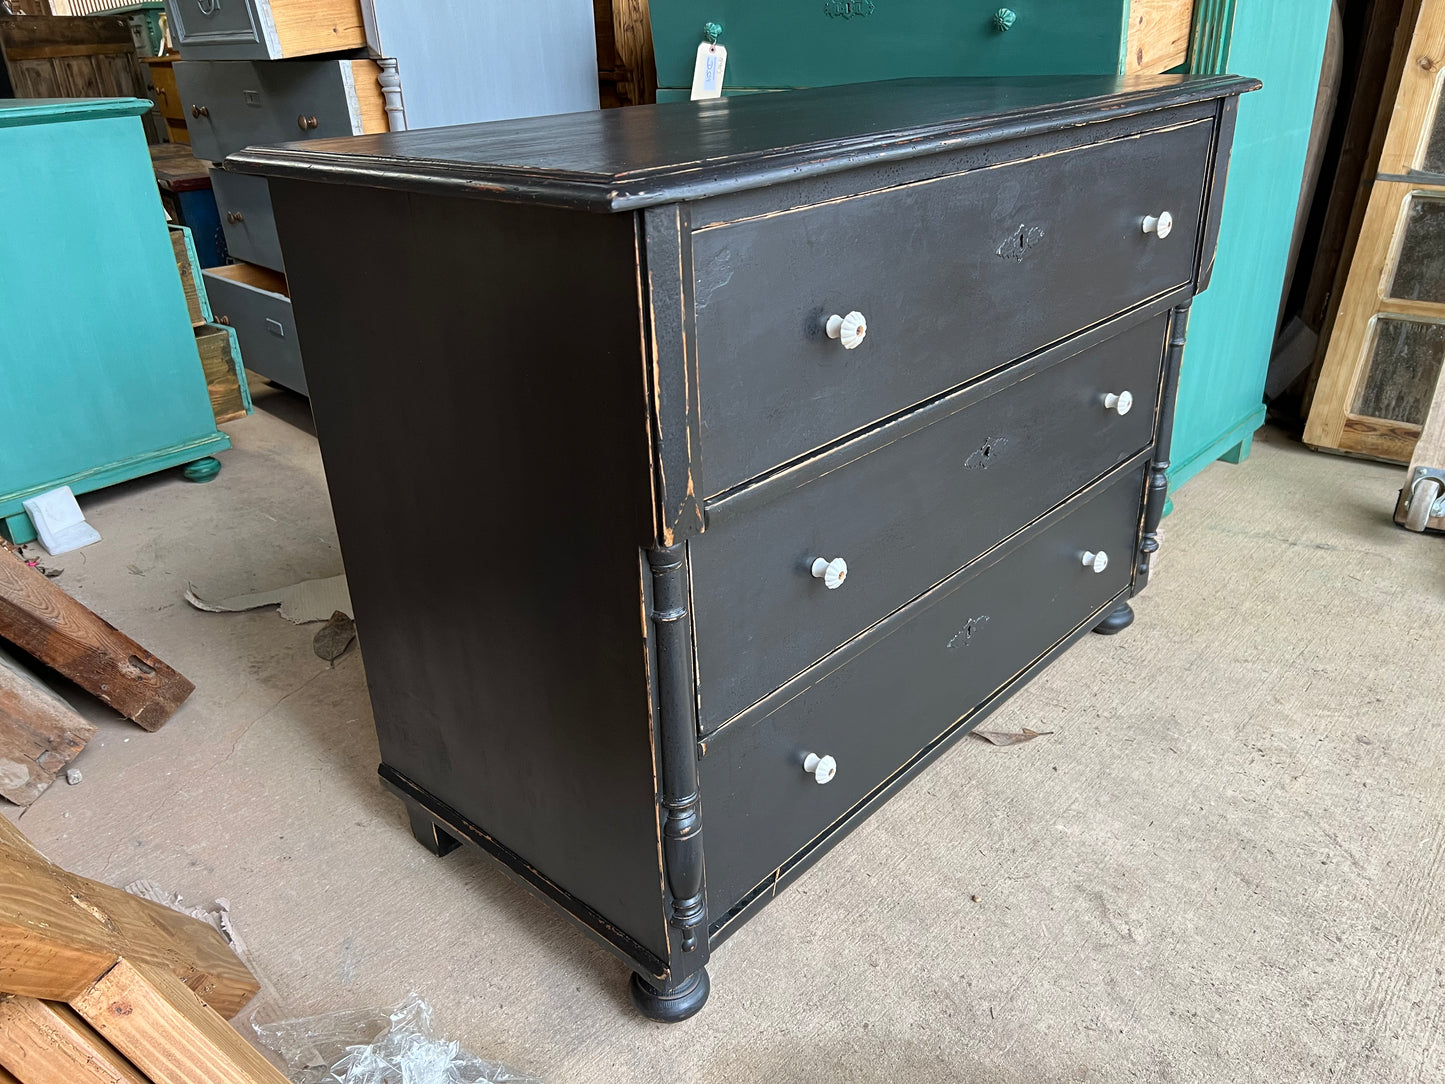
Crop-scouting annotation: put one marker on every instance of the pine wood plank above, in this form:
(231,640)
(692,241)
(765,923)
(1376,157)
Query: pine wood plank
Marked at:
(1378,438)
(39,734)
(188,275)
(304,27)
(632,42)
(1158,36)
(42,620)
(158,1023)
(1414,109)
(1377,81)
(364,76)
(1347,356)
(223,381)
(59,932)
(46,1042)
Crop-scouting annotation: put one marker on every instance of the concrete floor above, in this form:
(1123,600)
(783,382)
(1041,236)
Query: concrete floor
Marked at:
(1225,864)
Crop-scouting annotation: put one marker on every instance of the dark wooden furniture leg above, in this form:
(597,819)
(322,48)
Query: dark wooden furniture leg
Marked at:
(670,1003)
(428,833)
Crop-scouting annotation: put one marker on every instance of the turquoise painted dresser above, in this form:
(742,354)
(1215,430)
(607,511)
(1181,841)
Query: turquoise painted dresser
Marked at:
(772,45)
(1232,326)
(101,377)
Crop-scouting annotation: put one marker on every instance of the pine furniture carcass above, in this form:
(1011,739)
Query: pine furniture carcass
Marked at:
(786,436)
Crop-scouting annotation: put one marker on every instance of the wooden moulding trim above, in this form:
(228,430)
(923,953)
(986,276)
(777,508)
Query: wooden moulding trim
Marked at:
(325,162)
(682,848)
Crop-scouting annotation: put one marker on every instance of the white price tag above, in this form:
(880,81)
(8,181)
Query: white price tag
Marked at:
(707,76)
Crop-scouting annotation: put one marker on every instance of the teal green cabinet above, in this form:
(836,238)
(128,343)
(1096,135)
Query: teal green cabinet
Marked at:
(774,45)
(98,364)
(1232,326)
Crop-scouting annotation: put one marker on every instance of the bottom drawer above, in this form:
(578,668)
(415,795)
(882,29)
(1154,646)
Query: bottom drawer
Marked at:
(254,301)
(220,352)
(878,701)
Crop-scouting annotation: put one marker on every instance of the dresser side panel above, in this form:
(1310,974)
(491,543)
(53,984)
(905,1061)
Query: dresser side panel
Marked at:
(477,383)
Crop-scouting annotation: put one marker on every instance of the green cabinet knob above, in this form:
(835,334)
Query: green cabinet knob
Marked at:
(1004,19)
(713,31)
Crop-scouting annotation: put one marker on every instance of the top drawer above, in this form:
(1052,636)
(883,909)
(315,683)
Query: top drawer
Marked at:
(265,29)
(955,277)
(230,104)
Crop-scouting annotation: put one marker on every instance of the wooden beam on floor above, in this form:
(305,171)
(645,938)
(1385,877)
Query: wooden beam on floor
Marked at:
(169,1033)
(42,620)
(39,734)
(60,932)
(45,1042)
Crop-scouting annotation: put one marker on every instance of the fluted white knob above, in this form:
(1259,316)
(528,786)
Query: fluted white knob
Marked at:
(1097,561)
(1159,225)
(820,768)
(850,329)
(1122,403)
(832,573)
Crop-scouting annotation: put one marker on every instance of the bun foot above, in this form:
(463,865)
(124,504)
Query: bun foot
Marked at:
(669,1005)
(202,470)
(1117,620)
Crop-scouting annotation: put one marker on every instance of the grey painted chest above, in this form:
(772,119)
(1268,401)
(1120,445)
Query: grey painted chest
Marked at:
(777,441)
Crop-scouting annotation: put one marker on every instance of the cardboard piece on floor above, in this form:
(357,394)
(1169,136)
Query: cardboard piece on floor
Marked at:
(301,603)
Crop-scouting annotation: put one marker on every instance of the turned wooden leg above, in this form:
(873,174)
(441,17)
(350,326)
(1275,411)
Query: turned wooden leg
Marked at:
(428,833)
(202,470)
(670,1003)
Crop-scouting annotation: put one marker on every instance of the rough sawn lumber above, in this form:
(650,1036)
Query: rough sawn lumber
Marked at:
(42,620)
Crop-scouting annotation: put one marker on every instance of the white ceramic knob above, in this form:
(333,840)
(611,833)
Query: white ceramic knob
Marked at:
(850,329)
(832,573)
(1097,561)
(1122,403)
(820,768)
(1159,225)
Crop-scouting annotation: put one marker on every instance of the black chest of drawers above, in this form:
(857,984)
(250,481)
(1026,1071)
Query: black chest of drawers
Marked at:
(771,443)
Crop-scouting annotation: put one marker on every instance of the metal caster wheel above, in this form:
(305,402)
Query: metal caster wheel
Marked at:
(1423,496)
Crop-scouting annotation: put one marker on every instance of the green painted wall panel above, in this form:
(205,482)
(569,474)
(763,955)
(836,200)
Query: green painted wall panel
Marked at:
(1232,325)
(101,376)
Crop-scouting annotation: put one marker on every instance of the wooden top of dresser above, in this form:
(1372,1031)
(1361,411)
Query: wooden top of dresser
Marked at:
(624,159)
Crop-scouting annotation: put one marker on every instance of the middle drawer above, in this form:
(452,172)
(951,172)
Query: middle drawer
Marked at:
(905,507)
(244,204)
(233,104)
